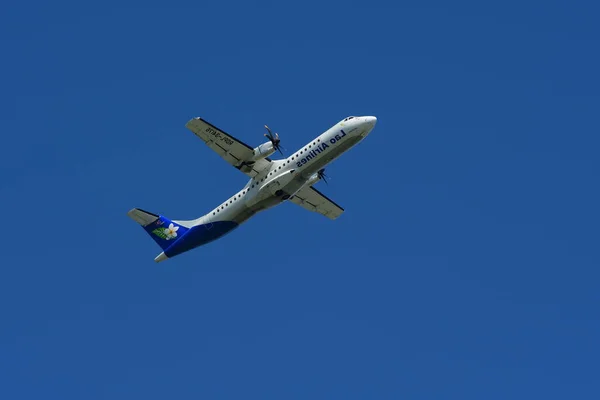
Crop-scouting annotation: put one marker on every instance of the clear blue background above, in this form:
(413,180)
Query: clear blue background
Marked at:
(465,266)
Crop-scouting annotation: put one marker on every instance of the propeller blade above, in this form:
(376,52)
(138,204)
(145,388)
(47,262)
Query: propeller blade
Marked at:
(322,175)
(270,134)
(274,139)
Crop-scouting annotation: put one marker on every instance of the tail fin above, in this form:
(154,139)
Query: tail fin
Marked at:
(164,231)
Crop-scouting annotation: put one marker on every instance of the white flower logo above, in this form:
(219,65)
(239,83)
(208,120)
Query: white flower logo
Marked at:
(171,231)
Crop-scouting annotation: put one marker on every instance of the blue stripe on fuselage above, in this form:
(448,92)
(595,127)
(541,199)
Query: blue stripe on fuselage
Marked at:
(199,235)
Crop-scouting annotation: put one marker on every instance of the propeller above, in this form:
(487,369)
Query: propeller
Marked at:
(321,174)
(274,139)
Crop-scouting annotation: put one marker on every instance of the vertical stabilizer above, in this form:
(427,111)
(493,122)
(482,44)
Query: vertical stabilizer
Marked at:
(164,231)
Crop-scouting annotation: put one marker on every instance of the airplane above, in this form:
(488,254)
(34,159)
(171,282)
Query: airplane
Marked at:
(271,183)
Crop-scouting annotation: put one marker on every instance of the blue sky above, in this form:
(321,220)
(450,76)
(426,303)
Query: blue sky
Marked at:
(465,266)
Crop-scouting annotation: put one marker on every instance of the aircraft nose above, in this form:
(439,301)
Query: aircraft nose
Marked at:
(371,121)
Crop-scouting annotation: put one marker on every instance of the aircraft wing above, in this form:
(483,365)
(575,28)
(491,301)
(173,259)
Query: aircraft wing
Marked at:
(232,150)
(313,200)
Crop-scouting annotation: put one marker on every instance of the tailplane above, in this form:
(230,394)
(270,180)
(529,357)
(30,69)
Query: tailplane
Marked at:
(164,231)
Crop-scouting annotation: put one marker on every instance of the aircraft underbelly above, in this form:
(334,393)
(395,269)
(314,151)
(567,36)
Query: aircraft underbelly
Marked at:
(247,212)
(289,185)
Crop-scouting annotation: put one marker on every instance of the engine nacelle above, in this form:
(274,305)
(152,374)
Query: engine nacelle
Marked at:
(260,152)
(263,151)
(314,178)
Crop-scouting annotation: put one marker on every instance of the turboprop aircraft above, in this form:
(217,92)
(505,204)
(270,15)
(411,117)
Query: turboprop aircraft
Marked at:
(271,183)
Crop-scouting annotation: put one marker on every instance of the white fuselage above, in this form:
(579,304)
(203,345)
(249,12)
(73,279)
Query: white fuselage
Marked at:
(287,176)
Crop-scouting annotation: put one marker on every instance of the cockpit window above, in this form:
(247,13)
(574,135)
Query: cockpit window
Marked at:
(348,118)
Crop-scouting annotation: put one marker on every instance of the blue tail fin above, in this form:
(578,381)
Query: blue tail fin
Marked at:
(164,231)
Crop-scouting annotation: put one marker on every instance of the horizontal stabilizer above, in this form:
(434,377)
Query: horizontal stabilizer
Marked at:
(164,231)
(142,217)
